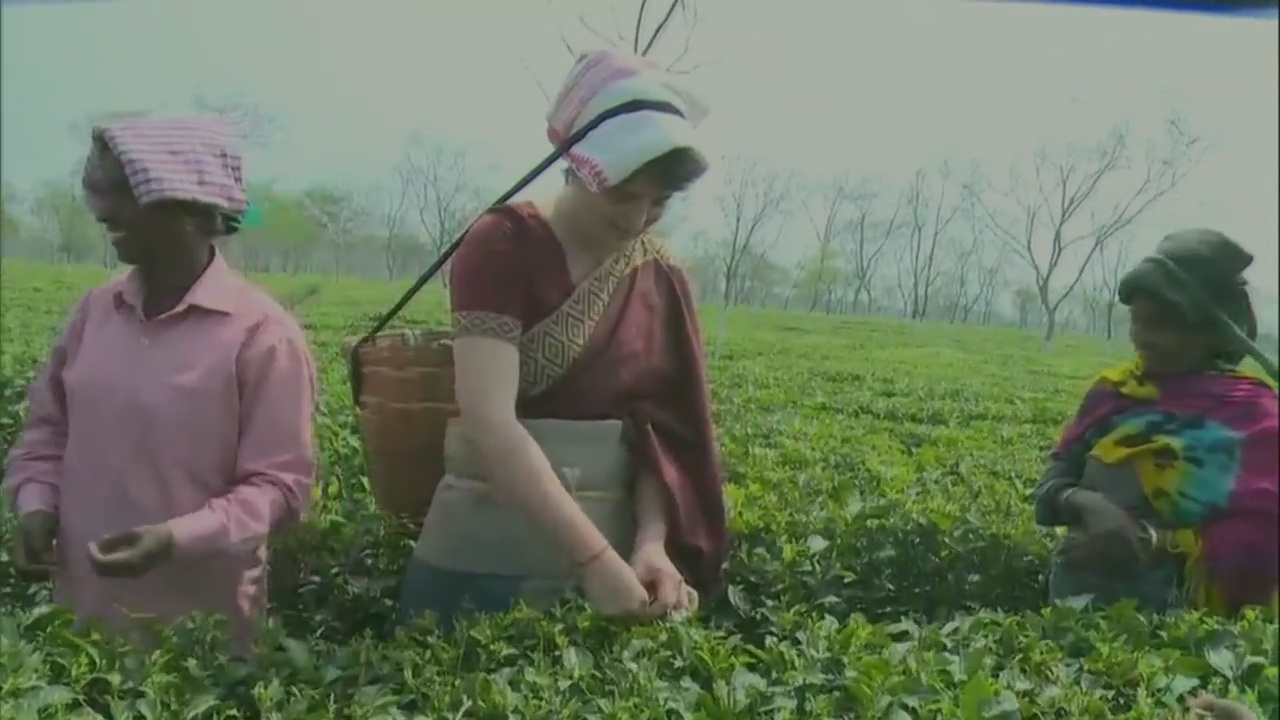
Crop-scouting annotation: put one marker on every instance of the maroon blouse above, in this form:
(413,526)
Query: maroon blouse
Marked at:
(638,358)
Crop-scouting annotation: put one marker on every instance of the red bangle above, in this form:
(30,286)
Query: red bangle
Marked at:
(583,563)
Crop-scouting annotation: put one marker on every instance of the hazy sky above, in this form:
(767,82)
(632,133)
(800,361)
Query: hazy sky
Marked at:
(818,86)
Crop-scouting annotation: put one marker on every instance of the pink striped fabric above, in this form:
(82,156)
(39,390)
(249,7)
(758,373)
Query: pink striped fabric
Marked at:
(603,79)
(591,73)
(176,159)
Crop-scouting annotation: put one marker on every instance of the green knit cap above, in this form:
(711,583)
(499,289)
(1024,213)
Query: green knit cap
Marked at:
(1212,269)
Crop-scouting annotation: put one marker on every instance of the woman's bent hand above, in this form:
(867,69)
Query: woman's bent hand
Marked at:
(613,590)
(1105,536)
(662,580)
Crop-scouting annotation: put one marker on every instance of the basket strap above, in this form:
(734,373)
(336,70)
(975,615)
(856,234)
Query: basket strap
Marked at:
(1237,337)
(626,108)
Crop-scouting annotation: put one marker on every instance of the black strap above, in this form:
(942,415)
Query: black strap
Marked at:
(626,108)
(1237,337)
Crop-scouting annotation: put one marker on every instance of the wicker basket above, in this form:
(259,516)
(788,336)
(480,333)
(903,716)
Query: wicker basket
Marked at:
(406,401)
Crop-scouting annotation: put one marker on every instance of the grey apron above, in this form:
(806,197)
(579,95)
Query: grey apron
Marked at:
(469,528)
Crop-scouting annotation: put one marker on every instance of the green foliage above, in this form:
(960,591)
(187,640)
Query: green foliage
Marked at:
(64,219)
(884,564)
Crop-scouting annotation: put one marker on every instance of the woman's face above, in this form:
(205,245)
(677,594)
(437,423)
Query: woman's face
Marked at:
(1163,339)
(140,235)
(620,214)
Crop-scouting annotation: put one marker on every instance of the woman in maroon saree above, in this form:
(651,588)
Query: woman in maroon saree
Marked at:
(584,454)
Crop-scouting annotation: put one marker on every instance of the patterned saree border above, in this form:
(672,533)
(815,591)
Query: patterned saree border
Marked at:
(550,348)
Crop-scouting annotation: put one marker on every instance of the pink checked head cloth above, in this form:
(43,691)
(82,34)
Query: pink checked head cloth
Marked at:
(169,159)
(604,79)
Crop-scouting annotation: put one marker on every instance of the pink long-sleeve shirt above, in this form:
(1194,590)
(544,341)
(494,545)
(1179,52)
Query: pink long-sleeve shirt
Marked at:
(200,418)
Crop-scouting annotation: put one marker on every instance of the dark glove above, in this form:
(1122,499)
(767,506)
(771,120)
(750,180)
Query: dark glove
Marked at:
(35,557)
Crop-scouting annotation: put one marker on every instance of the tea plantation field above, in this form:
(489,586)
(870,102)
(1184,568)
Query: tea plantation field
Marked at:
(885,564)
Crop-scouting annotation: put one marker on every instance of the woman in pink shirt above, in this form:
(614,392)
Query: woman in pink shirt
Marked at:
(171,430)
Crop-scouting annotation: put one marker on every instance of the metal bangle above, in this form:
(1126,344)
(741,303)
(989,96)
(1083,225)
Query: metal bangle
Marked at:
(1064,496)
(1152,535)
(588,560)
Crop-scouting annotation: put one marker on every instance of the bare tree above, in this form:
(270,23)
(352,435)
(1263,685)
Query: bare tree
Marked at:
(823,271)
(446,198)
(761,281)
(1113,262)
(339,214)
(797,276)
(962,260)
(58,211)
(868,235)
(702,266)
(1024,303)
(930,207)
(392,205)
(990,277)
(974,270)
(1076,199)
(753,199)
(12,224)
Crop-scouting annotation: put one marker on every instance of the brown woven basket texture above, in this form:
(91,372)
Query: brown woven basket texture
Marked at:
(406,401)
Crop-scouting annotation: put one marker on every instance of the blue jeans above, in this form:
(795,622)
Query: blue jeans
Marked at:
(450,593)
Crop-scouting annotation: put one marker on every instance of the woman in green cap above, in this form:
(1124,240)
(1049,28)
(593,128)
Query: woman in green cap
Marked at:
(1167,477)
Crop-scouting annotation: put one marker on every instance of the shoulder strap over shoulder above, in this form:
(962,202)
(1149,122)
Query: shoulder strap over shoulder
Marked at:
(626,108)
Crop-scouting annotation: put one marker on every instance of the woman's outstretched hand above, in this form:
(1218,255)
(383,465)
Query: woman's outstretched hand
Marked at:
(613,589)
(668,591)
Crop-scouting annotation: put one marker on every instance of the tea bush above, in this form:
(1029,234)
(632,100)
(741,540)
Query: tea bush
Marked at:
(884,562)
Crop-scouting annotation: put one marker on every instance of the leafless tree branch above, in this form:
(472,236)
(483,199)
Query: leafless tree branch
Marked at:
(931,207)
(869,233)
(445,195)
(835,196)
(754,199)
(1077,199)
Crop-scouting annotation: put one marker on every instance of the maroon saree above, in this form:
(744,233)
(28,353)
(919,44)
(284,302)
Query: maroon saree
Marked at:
(623,344)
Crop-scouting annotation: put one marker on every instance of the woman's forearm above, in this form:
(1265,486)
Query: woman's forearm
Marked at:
(518,469)
(651,511)
(1051,494)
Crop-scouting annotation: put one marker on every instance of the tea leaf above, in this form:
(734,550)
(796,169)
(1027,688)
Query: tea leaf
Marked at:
(884,561)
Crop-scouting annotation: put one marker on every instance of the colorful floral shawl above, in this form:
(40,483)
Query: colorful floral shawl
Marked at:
(1205,447)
